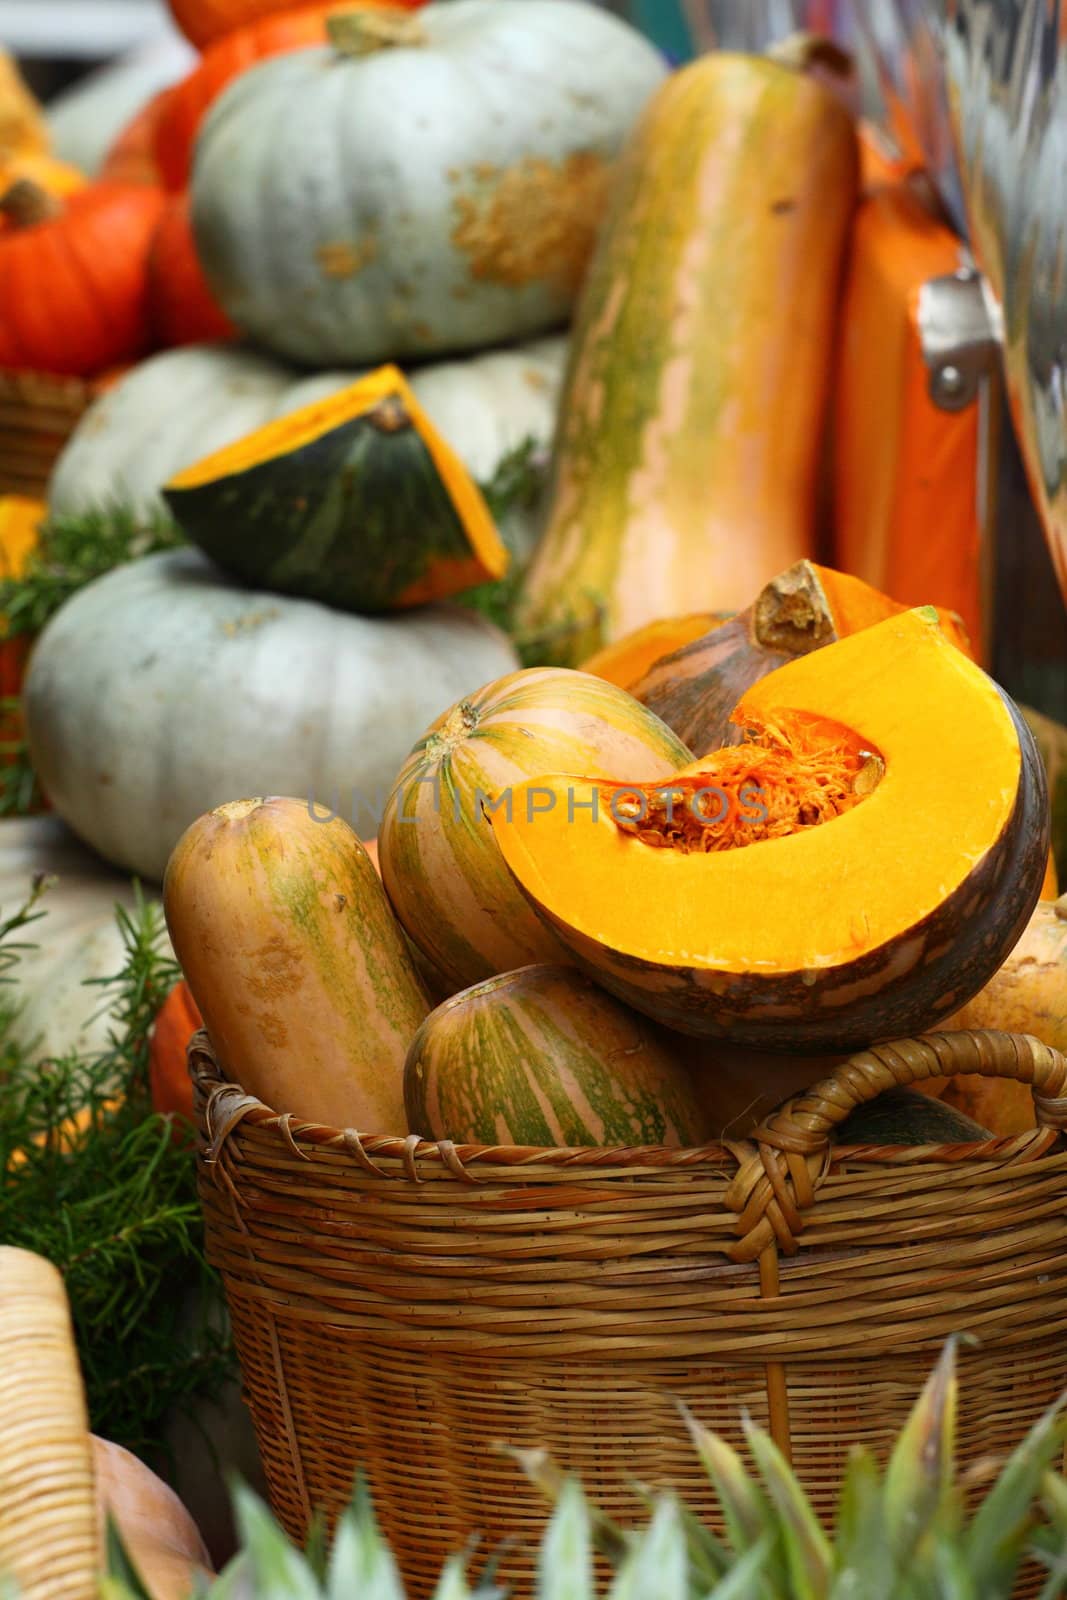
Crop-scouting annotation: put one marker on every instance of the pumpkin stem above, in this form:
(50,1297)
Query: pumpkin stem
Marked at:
(366,29)
(792,613)
(390,415)
(808,52)
(26,203)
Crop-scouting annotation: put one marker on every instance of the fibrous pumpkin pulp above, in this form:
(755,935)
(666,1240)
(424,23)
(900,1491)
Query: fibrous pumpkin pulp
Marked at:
(854,871)
(356,500)
(691,422)
(543,1056)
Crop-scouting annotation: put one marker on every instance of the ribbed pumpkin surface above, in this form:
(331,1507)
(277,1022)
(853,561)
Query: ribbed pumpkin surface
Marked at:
(543,1057)
(443,872)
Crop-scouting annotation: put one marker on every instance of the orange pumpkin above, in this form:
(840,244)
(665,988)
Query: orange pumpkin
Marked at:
(74,277)
(204,21)
(132,157)
(22,125)
(182,308)
(20,518)
(177,1020)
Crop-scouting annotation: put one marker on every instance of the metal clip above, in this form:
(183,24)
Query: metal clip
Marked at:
(960,343)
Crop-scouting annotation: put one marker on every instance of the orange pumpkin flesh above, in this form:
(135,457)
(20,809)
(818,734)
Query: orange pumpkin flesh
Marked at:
(815,937)
(177,1020)
(627,660)
(73,277)
(291,952)
(802,609)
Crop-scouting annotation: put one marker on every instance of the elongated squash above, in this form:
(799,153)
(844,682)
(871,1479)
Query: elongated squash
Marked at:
(690,431)
(855,871)
(356,500)
(294,959)
(1051,739)
(445,877)
(804,608)
(544,1057)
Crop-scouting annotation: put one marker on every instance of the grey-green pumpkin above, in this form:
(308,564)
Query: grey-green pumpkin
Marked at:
(426,183)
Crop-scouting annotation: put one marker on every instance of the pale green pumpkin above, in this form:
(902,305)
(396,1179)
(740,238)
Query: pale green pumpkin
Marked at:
(428,183)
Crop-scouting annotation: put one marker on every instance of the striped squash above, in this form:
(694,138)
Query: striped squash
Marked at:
(544,1057)
(295,962)
(690,432)
(441,868)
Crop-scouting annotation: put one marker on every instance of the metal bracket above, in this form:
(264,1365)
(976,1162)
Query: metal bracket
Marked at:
(960,342)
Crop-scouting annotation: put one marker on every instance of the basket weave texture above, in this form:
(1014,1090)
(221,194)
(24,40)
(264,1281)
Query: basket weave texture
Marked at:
(406,1306)
(38,414)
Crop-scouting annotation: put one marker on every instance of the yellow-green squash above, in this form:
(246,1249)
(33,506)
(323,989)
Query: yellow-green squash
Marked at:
(544,1057)
(303,978)
(690,429)
(444,875)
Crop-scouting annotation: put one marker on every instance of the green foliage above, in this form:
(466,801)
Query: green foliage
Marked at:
(901,1534)
(516,486)
(91,1178)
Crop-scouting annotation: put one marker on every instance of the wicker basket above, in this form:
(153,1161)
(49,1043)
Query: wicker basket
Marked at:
(405,1306)
(38,414)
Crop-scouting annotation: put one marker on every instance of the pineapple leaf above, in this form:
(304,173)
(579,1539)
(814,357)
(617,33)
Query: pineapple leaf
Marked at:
(955,1579)
(920,1477)
(808,1552)
(658,1564)
(996,1539)
(361,1562)
(745,1580)
(121,1568)
(453,1584)
(277,1569)
(608,1538)
(745,1508)
(863,1566)
(565,1564)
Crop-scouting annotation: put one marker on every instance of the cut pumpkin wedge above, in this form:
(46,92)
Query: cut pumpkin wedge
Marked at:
(356,500)
(855,871)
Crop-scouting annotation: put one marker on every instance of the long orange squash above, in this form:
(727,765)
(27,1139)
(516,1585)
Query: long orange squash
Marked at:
(295,961)
(691,425)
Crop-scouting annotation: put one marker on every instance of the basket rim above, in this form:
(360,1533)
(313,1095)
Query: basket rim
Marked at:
(226,1105)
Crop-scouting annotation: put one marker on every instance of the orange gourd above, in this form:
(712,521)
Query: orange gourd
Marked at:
(182,307)
(132,156)
(23,130)
(20,519)
(205,21)
(158,1533)
(627,660)
(177,1020)
(74,277)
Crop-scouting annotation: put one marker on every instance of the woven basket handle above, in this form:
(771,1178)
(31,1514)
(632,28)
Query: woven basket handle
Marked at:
(804,1125)
(782,1164)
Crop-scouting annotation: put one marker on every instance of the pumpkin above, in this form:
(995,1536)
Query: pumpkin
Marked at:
(210,23)
(176,1021)
(160,1536)
(23,131)
(907,1116)
(1050,888)
(295,960)
(20,518)
(73,276)
(443,873)
(544,1057)
(86,120)
(182,308)
(131,158)
(179,406)
(265,33)
(61,1011)
(356,500)
(627,660)
(161,690)
(442,177)
(738,1088)
(1028,994)
(691,422)
(854,872)
(54,177)
(696,689)
(1051,739)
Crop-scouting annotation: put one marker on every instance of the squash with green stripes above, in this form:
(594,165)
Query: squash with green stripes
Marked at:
(543,1057)
(442,870)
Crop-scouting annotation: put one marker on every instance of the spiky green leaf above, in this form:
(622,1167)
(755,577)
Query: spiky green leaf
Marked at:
(808,1552)
(920,1476)
(565,1565)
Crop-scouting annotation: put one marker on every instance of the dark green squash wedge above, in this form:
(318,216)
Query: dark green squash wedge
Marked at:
(355,500)
(906,1116)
